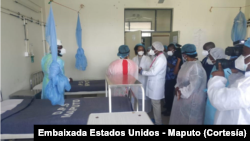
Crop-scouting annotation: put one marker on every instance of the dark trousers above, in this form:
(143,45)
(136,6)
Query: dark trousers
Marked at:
(169,93)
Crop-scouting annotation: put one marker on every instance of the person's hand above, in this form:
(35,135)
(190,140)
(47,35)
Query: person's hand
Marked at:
(71,80)
(234,70)
(178,93)
(220,71)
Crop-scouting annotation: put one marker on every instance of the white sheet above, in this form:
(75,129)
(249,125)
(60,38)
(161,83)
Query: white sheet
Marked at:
(9,104)
(39,86)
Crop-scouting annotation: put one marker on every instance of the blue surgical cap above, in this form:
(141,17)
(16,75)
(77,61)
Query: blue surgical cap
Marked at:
(136,46)
(123,51)
(166,47)
(247,43)
(189,49)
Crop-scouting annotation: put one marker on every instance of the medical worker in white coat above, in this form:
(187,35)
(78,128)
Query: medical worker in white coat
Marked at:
(233,102)
(143,62)
(156,80)
(189,105)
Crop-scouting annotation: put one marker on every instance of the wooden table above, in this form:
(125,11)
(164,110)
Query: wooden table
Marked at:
(135,118)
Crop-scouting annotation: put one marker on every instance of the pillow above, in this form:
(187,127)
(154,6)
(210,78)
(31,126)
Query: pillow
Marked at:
(39,86)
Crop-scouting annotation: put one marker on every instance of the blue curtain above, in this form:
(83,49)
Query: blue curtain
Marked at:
(81,61)
(55,89)
(239,29)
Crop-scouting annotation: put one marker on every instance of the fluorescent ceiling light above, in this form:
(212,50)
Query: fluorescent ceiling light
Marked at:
(25,5)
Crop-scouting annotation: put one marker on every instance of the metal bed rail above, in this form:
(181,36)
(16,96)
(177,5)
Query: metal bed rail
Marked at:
(36,79)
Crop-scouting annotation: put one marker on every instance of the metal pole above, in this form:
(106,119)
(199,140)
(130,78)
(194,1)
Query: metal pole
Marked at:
(143,99)
(110,104)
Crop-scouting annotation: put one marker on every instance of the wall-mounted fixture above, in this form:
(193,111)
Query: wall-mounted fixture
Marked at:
(27,6)
(160,1)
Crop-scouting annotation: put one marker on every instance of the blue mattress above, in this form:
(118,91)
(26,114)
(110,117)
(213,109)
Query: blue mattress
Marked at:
(91,85)
(30,112)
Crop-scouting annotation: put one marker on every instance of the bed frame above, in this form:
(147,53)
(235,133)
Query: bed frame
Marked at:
(37,78)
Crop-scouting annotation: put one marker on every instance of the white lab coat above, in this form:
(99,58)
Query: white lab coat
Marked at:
(156,78)
(145,64)
(233,102)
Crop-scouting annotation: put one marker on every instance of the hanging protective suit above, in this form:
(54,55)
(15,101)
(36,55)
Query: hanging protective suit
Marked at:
(144,63)
(239,29)
(232,103)
(191,81)
(54,83)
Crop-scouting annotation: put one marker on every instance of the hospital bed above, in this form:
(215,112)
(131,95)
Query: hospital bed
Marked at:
(18,116)
(82,87)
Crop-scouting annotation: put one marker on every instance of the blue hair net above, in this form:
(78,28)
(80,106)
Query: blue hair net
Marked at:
(239,29)
(123,51)
(54,90)
(247,43)
(189,49)
(81,61)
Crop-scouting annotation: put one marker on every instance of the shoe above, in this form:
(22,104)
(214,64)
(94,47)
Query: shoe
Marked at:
(153,120)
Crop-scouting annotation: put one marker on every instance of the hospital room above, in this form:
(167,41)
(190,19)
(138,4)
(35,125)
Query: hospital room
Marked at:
(123,62)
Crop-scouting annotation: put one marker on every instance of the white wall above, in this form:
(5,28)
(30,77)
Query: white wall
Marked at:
(103,27)
(15,67)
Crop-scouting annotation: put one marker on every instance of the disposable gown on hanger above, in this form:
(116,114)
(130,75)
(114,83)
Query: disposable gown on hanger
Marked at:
(190,109)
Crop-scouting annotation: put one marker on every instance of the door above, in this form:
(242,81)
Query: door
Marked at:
(131,39)
(174,37)
(161,37)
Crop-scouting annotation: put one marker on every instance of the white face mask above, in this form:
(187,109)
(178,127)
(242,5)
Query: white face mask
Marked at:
(240,63)
(209,61)
(140,53)
(63,51)
(205,53)
(170,53)
(151,52)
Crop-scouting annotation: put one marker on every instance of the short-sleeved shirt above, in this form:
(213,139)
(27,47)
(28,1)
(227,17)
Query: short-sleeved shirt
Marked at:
(170,71)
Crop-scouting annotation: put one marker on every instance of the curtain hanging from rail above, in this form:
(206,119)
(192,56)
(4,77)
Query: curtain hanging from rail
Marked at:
(81,61)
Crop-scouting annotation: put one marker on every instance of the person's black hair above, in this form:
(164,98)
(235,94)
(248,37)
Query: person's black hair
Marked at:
(193,56)
(136,48)
(209,45)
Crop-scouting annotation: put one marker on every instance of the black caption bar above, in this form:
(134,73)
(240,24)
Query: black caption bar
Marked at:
(180,131)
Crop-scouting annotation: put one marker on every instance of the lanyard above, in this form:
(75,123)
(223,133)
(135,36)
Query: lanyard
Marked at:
(154,60)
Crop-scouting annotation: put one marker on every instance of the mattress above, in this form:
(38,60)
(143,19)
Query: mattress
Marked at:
(29,112)
(78,86)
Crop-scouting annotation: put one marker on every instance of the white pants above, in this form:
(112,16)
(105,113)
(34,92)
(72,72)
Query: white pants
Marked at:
(157,111)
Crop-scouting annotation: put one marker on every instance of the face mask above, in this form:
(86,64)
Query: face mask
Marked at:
(240,63)
(151,52)
(209,61)
(63,51)
(140,53)
(184,59)
(170,53)
(205,53)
